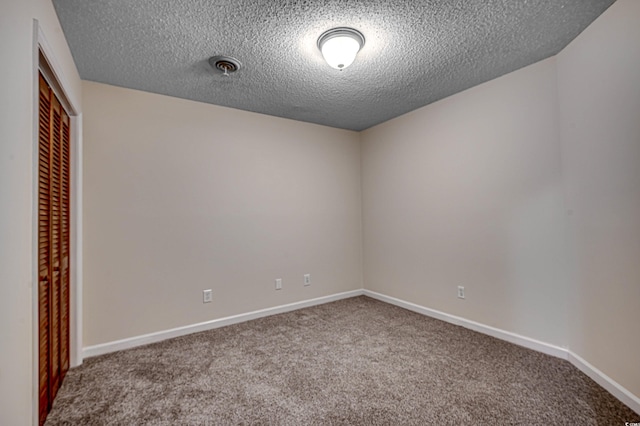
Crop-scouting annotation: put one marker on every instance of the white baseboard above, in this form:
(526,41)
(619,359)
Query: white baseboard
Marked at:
(625,396)
(508,336)
(145,339)
(614,388)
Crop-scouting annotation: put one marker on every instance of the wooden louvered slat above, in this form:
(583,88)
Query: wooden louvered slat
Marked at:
(43,397)
(54,197)
(56,142)
(65,183)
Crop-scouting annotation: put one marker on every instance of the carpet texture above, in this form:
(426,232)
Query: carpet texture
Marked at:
(352,362)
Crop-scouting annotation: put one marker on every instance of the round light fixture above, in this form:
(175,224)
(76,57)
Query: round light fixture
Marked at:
(339,46)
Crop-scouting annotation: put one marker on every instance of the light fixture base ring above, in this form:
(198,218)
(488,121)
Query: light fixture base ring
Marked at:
(341,31)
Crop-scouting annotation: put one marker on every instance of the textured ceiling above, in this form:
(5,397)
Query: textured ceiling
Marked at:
(416,52)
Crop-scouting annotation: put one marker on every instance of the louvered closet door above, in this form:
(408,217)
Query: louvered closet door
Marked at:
(44,244)
(53,245)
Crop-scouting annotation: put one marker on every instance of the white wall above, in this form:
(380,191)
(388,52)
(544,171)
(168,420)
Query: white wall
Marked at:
(182,196)
(16,194)
(599,94)
(467,191)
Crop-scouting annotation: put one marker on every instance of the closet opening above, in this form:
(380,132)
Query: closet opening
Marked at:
(54,211)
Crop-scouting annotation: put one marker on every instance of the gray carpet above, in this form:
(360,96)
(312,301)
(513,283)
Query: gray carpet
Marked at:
(352,362)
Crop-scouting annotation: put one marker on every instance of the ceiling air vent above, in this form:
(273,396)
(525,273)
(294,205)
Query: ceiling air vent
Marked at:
(224,64)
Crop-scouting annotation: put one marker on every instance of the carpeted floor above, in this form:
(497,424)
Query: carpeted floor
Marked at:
(352,362)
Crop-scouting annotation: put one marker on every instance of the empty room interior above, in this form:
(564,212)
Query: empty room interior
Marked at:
(440,227)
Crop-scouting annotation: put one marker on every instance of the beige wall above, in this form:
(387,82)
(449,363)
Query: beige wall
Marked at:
(599,82)
(525,190)
(182,196)
(467,191)
(16,194)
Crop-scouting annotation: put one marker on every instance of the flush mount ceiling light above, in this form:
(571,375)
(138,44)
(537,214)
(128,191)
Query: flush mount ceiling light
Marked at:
(339,46)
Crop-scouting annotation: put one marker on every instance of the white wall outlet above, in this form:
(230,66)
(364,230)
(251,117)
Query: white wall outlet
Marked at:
(460,292)
(278,283)
(307,279)
(207,296)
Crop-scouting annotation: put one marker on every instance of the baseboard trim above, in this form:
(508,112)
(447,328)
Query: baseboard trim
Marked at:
(613,387)
(508,336)
(624,395)
(145,339)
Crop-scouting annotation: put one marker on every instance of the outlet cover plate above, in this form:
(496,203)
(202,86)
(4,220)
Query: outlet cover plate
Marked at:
(207,296)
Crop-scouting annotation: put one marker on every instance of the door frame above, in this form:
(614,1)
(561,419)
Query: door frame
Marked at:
(45,61)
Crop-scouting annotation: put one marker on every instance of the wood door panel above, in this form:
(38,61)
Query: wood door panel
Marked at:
(54,200)
(54,337)
(65,249)
(43,394)
(44,247)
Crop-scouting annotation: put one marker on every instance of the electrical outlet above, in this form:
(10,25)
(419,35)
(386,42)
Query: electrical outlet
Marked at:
(307,279)
(207,296)
(278,283)
(460,292)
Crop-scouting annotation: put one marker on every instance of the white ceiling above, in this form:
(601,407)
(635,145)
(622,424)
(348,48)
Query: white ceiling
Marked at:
(416,52)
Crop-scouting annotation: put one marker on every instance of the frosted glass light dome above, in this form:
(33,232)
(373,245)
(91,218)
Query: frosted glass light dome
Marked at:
(339,46)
